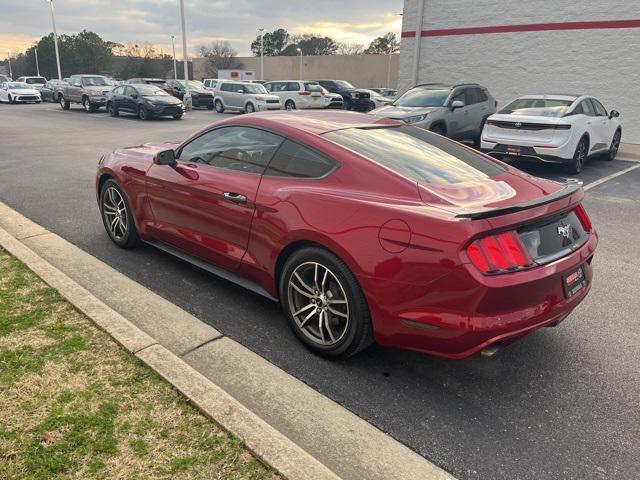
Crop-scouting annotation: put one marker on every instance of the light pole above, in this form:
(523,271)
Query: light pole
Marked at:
(37,65)
(175,66)
(55,38)
(261,30)
(299,50)
(187,96)
(9,59)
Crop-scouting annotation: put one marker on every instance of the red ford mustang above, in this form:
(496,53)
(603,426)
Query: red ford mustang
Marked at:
(365,229)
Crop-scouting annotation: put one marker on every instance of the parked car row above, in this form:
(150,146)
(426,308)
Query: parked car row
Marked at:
(558,129)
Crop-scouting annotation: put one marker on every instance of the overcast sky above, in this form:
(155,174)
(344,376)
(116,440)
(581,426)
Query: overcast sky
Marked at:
(22,22)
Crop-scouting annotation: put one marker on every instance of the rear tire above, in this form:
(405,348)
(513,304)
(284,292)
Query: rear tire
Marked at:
(477,138)
(333,318)
(579,157)
(143,114)
(117,217)
(219,106)
(64,104)
(613,148)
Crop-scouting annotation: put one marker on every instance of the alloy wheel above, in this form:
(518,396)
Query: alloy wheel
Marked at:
(318,303)
(581,155)
(115,214)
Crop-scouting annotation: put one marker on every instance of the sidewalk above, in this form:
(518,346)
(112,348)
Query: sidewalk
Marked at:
(287,424)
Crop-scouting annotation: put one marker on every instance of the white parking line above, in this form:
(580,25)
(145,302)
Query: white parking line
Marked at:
(609,177)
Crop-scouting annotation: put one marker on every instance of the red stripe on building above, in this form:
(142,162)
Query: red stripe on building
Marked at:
(530,27)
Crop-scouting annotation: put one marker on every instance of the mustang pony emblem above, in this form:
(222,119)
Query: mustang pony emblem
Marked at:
(565,231)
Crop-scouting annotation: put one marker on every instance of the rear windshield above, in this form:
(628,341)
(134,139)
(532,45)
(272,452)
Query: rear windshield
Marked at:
(417,154)
(151,91)
(537,107)
(423,97)
(36,80)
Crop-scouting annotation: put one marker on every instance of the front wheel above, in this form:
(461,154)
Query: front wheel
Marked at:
(219,106)
(439,130)
(249,108)
(324,304)
(143,114)
(177,117)
(11,100)
(117,217)
(579,157)
(613,148)
(289,105)
(113,111)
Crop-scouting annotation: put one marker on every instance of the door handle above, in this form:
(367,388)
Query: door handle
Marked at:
(235,197)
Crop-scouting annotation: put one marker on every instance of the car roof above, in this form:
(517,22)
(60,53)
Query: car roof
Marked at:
(556,96)
(314,121)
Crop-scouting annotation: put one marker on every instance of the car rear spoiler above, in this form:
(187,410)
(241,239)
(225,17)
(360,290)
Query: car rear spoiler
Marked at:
(572,186)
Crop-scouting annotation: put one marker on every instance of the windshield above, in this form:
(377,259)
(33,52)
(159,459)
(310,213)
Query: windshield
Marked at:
(151,91)
(423,97)
(95,82)
(36,81)
(18,85)
(193,84)
(416,154)
(254,88)
(537,107)
(343,84)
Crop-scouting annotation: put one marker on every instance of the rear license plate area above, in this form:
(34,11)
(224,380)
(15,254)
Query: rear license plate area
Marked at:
(574,282)
(516,151)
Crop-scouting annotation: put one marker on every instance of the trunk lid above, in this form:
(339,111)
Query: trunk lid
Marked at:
(519,129)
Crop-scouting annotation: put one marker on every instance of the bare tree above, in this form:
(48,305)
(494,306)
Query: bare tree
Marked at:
(219,55)
(350,49)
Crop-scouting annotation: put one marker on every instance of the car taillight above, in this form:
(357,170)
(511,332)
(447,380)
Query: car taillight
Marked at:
(500,253)
(584,218)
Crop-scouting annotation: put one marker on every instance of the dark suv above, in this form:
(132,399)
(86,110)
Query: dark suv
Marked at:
(353,98)
(200,96)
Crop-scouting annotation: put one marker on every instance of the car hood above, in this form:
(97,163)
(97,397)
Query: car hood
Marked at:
(24,91)
(163,100)
(264,96)
(95,88)
(391,111)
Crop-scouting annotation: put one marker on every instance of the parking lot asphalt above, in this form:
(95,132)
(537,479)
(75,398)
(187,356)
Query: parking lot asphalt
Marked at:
(562,403)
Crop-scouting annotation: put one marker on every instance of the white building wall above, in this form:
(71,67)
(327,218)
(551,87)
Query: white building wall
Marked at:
(604,63)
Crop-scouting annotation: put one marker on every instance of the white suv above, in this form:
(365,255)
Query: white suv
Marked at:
(297,94)
(561,129)
(243,97)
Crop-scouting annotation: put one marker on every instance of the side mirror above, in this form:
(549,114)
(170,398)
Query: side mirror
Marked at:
(457,104)
(134,95)
(614,114)
(165,157)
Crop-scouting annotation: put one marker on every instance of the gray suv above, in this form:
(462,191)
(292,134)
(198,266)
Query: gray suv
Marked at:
(244,97)
(456,111)
(89,90)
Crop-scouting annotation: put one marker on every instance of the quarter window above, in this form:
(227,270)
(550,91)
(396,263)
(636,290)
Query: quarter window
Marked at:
(242,149)
(586,108)
(294,160)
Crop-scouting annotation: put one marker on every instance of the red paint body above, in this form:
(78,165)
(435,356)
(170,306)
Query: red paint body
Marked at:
(402,241)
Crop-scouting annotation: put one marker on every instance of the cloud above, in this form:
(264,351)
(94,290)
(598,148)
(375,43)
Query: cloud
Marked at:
(23,22)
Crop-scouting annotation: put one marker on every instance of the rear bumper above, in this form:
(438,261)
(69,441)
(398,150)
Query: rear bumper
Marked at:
(464,312)
(504,152)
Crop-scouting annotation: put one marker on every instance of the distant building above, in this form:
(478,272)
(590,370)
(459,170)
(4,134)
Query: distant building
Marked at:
(516,47)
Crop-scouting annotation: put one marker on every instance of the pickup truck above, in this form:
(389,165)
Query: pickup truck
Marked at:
(88,90)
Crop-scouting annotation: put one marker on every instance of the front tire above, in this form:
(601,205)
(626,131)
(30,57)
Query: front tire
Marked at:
(219,106)
(11,100)
(324,304)
(113,111)
(143,114)
(88,106)
(579,157)
(249,108)
(613,148)
(289,105)
(117,217)
(439,130)
(177,117)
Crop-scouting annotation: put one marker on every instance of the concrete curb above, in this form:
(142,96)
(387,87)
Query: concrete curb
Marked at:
(265,442)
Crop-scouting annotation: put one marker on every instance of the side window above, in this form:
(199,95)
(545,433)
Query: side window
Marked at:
(587,108)
(293,86)
(472,96)
(460,96)
(128,91)
(238,88)
(294,160)
(241,149)
(482,95)
(227,87)
(600,110)
(119,91)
